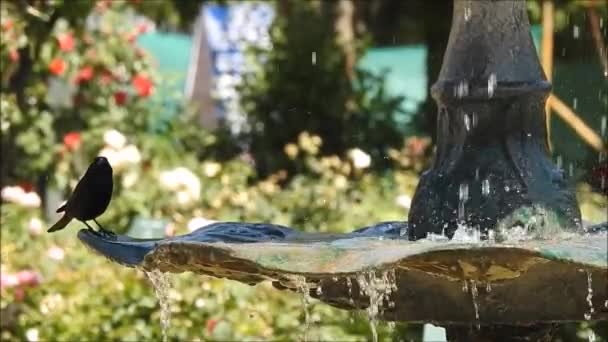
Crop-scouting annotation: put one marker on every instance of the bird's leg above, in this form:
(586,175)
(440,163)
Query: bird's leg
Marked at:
(89,227)
(104,231)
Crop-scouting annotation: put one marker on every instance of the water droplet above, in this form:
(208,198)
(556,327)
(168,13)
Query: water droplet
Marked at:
(603,125)
(559,162)
(314,58)
(467,122)
(491,84)
(576,31)
(575,103)
(467,12)
(485,187)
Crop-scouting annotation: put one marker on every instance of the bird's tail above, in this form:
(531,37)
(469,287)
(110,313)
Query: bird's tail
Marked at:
(63,221)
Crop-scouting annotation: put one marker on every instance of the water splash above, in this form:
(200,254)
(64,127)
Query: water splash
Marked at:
(304,290)
(589,297)
(161,284)
(378,289)
(492,84)
(591,336)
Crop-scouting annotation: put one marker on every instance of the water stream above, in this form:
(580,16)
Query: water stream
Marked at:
(304,289)
(161,284)
(589,297)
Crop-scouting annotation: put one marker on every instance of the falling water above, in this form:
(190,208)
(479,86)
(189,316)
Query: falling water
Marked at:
(488,286)
(349,285)
(589,296)
(462,89)
(378,290)
(161,284)
(304,290)
(474,299)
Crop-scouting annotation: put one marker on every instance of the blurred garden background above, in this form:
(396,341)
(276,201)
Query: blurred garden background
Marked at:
(309,114)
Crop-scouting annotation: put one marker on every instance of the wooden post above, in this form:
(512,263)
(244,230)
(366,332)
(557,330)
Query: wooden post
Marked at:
(547,57)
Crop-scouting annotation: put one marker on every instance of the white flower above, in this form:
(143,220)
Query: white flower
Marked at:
(361,160)
(31,334)
(31,200)
(340,182)
(16,194)
(211,169)
(198,222)
(129,179)
(182,180)
(35,226)
(404,201)
(12,193)
(112,156)
(114,139)
(56,253)
(130,154)
(183,197)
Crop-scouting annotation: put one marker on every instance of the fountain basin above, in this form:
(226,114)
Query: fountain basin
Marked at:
(422,281)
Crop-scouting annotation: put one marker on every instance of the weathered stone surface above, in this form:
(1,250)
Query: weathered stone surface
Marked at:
(533,281)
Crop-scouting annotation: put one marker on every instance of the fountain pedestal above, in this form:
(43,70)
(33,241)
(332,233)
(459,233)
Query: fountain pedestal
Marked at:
(492,168)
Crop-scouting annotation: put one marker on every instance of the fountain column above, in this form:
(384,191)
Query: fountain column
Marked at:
(492,167)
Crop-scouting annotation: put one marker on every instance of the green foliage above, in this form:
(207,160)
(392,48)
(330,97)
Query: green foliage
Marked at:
(303,84)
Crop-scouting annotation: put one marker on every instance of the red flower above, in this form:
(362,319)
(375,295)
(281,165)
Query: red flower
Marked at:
(85,74)
(19,294)
(57,66)
(72,141)
(120,97)
(106,77)
(143,85)
(28,278)
(26,186)
(211,323)
(66,42)
(142,28)
(131,36)
(13,55)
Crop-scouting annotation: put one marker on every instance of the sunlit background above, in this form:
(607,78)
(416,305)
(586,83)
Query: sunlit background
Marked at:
(314,115)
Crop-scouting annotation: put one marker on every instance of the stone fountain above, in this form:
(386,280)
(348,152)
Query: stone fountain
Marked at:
(526,261)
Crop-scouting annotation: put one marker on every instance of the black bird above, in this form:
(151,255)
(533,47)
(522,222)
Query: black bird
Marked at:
(90,198)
